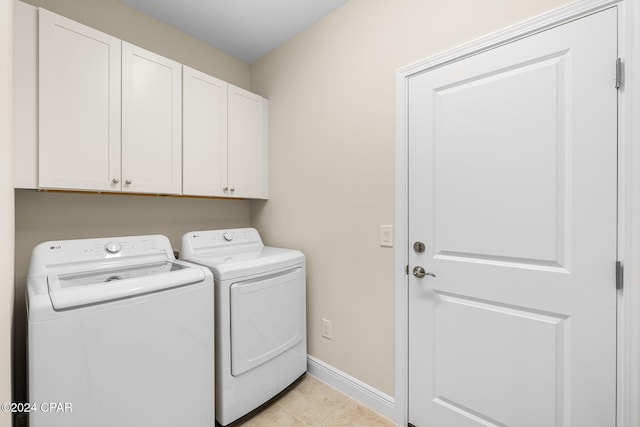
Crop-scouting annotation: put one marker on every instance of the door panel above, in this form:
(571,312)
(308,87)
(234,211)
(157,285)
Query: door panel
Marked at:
(247,148)
(512,188)
(79,106)
(204,136)
(511,157)
(151,122)
(477,373)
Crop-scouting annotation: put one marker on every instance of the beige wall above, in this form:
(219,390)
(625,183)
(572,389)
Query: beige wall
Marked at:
(49,216)
(118,19)
(331,97)
(6,203)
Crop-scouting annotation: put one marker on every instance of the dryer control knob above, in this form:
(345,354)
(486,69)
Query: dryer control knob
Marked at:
(112,247)
(228,237)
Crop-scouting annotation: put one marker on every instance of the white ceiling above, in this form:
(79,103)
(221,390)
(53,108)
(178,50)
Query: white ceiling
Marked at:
(245,29)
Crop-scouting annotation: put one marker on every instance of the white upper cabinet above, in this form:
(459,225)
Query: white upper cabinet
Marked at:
(79,106)
(151,122)
(247,144)
(204,143)
(95,113)
(224,139)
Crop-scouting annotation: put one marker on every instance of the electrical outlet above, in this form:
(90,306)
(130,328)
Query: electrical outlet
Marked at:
(326,328)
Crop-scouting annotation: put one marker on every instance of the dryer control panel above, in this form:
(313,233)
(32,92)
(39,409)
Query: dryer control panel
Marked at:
(212,240)
(224,237)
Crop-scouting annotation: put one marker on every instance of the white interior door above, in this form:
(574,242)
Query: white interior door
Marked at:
(512,190)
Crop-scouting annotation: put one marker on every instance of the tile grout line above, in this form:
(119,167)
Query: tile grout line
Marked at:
(323,421)
(337,409)
(292,414)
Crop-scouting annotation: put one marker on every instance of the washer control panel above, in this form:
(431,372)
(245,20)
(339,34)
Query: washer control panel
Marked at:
(66,251)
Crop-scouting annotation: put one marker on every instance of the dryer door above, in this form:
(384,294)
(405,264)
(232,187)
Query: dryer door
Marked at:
(267,318)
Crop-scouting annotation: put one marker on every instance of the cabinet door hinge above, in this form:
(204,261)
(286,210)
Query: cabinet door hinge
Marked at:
(406,270)
(619,73)
(619,271)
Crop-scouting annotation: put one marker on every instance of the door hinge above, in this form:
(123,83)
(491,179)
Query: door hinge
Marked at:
(619,271)
(406,270)
(619,73)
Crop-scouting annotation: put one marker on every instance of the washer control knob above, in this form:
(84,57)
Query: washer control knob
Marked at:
(112,247)
(228,237)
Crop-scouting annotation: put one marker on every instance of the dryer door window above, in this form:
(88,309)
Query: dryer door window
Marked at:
(267,318)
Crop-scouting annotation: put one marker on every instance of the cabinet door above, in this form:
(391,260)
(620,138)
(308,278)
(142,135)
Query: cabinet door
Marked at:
(79,106)
(151,122)
(25,100)
(247,144)
(204,134)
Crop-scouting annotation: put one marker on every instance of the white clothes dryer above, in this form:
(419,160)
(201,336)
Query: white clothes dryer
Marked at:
(120,333)
(260,294)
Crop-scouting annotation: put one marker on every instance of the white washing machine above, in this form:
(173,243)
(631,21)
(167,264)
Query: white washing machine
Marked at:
(261,343)
(120,333)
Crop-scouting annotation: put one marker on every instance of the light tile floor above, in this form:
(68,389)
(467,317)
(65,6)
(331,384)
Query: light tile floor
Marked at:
(313,403)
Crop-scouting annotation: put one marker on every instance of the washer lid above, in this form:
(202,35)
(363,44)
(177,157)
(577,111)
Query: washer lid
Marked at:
(89,287)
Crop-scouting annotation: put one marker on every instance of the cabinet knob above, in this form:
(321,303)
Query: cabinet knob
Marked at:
(116,180)
(128,182)
(232,189)
(225,189)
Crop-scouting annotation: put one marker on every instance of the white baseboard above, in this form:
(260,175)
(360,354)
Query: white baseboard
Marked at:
(352,387)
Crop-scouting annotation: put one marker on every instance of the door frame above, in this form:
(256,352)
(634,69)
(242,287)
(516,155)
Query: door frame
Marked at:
(628,317)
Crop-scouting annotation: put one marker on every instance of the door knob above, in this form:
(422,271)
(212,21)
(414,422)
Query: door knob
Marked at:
(419,272)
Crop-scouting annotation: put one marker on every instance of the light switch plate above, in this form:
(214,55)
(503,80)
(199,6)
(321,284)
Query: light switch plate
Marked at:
(386,236)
